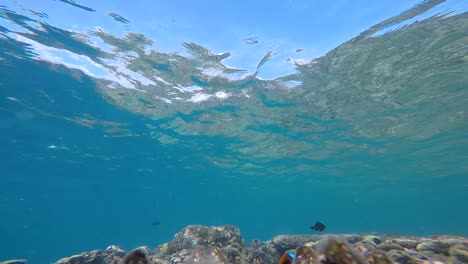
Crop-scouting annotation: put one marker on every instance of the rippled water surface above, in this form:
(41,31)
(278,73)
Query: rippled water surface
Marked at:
(267,116)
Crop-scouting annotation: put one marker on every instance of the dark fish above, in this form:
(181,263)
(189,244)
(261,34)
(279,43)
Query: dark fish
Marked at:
(155,223)
(318,227)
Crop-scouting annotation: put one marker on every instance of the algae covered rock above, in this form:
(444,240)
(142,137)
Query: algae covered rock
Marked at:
(197,235)
(285,242)
(337,250)
(213,244)
(438,247)
(306,255)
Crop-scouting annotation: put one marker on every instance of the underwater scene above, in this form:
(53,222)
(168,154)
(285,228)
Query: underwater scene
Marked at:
(261,132)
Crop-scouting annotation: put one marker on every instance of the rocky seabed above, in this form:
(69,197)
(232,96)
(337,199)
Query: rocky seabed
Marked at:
(224,245)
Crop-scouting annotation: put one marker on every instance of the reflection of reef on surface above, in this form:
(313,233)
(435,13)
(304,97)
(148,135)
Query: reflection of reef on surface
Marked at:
(354,100)
(224,245)
(381,93)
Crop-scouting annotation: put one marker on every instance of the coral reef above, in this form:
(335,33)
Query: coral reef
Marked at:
(224,245)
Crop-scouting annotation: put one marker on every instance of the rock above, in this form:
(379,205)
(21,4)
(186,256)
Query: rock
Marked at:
(455,240)
(378,257)
(353,239)
(337,250)
(285,242)
(387,246)
(306,255)
(265,253)
(402,257)
(438,247)
(14,261)
(93,257)
(71,260)
(406,243)
(367,244)
(138,255)
(203,254)
(196,235)
(364,247)
(221,242)
(459,253)
(372,239)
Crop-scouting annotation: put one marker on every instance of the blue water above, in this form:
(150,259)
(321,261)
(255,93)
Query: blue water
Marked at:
(104,133)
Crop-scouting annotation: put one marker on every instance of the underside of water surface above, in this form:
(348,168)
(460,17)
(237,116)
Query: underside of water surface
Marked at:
(124,127)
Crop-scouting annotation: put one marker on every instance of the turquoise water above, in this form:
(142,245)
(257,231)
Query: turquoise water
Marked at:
(106,129)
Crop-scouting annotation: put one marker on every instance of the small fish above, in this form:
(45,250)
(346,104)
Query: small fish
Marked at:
(318,227)
(155,223)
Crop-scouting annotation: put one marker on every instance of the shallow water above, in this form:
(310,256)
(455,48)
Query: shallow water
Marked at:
(114,119)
